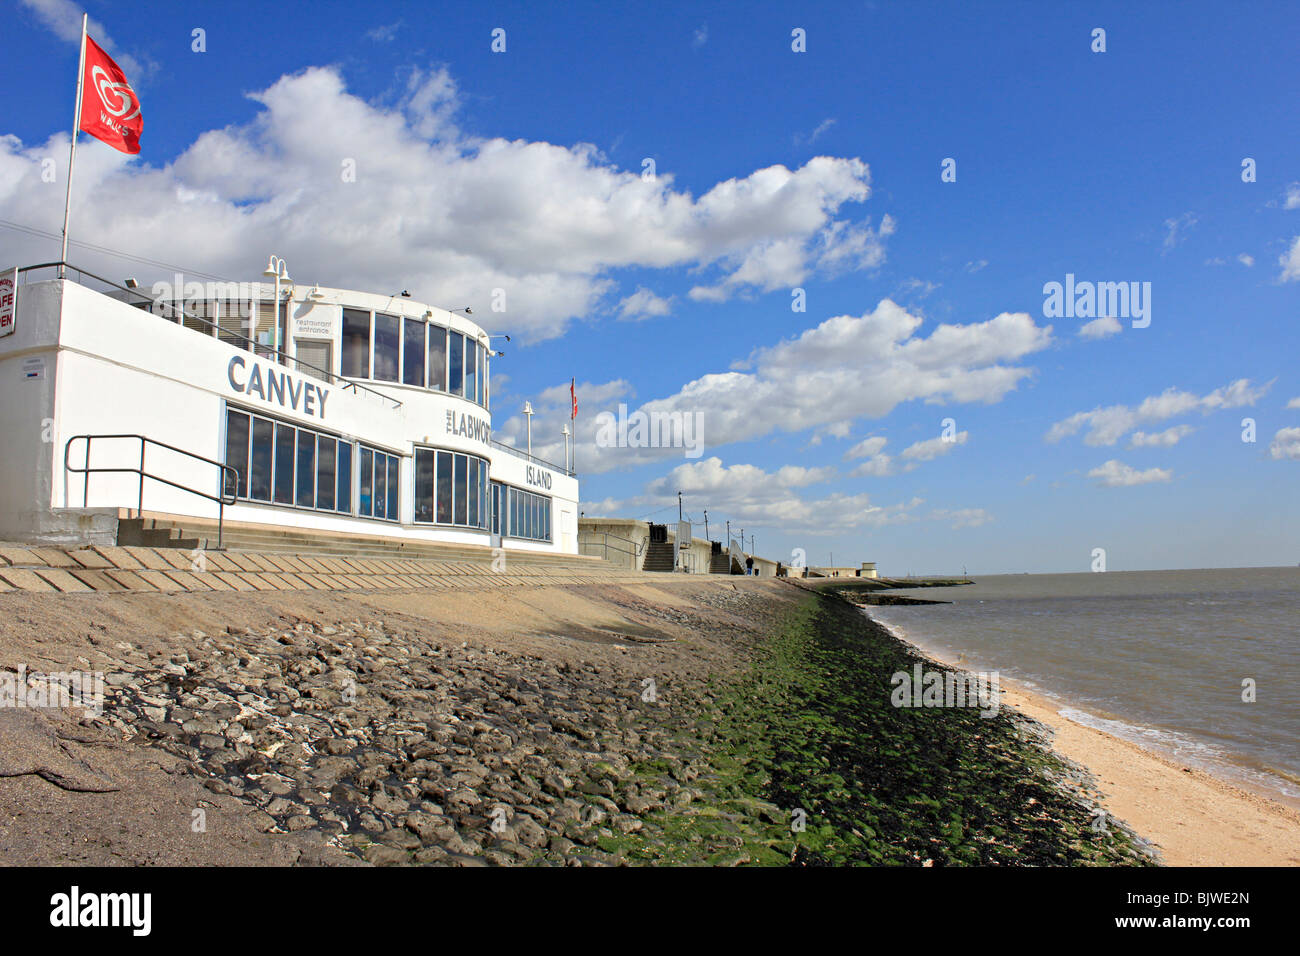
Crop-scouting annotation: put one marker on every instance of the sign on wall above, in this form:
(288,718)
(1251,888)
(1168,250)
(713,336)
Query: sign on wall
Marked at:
(8,300)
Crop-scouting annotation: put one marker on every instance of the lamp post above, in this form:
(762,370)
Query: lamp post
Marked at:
(706,524)
(277,270)
(565,429)
(528,410)
(679,507)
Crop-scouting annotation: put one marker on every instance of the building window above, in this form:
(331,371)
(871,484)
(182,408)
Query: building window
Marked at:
(356,344)
(288,465)
(471,369)
(438,358)
(259,480)
(380,483)
(284,448)
(455,363)
(306,492)
(451,488)
(528,515)
(445,485)
(413,352)
(326,474)
(424,485)
(237,426)
(387,346)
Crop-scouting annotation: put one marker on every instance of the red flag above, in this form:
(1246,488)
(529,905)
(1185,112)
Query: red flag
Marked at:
(110,110)
(574,396)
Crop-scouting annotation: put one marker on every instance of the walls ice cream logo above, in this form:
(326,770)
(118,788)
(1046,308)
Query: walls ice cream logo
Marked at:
(118,98)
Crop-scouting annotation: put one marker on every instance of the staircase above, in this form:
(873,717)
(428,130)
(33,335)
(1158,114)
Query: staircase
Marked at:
(658,556)
(142,532)
(720,563)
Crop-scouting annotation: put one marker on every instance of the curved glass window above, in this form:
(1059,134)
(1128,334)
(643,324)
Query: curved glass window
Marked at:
(438,358)
(393,348)
(356,343)
(451,488)
(413,352)
(380,483)
(526,515)
(387,346)
(290,465)
(456,363)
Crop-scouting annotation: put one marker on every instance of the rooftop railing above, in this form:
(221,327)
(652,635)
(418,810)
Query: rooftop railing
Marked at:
(136,298)
(512,450)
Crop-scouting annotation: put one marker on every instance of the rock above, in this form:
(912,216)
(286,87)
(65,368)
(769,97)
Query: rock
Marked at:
(381,855)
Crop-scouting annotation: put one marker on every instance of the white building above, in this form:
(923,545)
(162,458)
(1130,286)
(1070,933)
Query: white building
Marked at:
(360,413)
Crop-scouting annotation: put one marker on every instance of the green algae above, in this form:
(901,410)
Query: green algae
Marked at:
(803,759)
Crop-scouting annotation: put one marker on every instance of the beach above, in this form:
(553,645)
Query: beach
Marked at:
(1193,816)
(670,719)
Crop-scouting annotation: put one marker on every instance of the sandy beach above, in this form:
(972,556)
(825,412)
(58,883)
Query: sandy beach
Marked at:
(1196,818)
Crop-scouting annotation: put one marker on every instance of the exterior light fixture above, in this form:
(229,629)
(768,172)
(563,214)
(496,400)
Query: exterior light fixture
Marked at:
(277,270)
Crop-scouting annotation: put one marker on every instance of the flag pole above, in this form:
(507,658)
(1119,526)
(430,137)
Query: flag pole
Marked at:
(72,151)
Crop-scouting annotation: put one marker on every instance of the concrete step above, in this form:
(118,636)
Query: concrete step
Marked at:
(275,539)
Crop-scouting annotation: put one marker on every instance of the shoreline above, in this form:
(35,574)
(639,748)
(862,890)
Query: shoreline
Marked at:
(1197,817)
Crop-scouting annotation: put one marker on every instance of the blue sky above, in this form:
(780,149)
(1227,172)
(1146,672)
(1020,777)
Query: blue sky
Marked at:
(775,170)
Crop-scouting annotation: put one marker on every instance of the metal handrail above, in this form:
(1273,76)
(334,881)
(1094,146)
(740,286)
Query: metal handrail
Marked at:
(226,470)
(588,539)
(533,458)
(256,348)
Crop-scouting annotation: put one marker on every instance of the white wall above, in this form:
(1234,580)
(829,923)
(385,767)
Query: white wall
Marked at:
(122,370)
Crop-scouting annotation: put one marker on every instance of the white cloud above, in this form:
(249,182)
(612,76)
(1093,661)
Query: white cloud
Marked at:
(1174,228)
(643,304)
(1294,403)
(747,493)
(1100,328)
(63,19)
(838,429)
(1286,444)
(385,33)
(1107,425)
(869,364)
(700,36)
(920,287)
(1290,262)
(933,448)
(877,465)
(1246,260)
(1292,200)
(962,517)
(1116,474)
(976,266)
(822,127)
(1164,439)
(819,244)
(447,215)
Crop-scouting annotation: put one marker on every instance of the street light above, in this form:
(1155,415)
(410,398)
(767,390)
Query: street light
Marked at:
(277,269)
(706,524)
(565,429)
(528,410)
(679,507)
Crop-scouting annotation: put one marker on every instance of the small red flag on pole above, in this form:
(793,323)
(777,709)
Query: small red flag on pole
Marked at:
(110,110)
(573,395)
